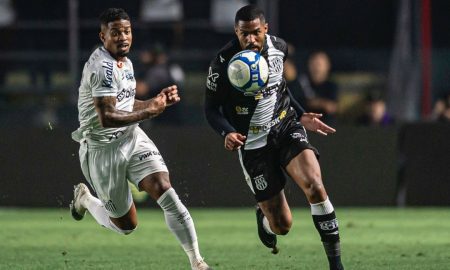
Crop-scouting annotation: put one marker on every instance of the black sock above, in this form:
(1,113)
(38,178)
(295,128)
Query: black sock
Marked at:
(328,228)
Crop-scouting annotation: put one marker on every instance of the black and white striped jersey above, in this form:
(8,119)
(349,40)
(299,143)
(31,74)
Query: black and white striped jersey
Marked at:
(229,110)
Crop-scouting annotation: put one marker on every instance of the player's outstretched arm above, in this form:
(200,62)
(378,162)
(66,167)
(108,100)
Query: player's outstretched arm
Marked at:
(312,122)
(170,92)
(111,117)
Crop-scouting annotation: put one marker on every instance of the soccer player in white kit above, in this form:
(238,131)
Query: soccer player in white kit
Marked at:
(113,149)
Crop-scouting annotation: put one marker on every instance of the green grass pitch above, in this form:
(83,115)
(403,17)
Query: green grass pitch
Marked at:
(372,238)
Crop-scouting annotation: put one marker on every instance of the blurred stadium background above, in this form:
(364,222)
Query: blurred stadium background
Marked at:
(399,49)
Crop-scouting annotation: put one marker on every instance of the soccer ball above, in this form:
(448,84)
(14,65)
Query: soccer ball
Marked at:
(248,72)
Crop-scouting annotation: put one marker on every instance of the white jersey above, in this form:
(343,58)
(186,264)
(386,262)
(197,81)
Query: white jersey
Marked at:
(104,76)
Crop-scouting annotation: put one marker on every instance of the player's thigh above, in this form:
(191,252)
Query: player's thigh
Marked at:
(106,172)
(304,169)
(263,172)
(146,167)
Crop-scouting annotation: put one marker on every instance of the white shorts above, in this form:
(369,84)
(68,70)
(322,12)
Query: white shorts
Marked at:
(107,167)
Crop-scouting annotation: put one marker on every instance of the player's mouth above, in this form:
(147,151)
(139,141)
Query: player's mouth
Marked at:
(253,48)
(123,46)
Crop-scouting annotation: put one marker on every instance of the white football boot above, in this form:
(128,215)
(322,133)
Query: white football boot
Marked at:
(200,265)
(76,208)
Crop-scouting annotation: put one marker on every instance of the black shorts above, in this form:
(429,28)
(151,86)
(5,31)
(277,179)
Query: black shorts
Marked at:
(265,166)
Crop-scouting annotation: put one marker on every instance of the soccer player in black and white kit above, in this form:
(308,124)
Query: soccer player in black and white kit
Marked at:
(268,131)
(113,149)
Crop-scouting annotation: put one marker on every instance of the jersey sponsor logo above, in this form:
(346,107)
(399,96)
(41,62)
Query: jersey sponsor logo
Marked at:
(300,136)
(108,67)
(128,75)
(268,125)
(260,182)
(148,154)
(126,93)
(329,225)
(241,110)
(211,80)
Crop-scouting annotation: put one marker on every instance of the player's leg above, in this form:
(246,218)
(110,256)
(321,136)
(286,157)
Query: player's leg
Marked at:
(105,171)
(273,218)
(177,216)
(148,172)
(277,213)
(266,180)
(304,169)
(84,201)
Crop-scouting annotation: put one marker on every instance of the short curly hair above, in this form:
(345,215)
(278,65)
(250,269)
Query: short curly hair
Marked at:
(113,14)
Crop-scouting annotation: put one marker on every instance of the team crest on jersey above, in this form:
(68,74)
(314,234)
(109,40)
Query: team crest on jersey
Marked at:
(260,182)
(211,83)
(276,65)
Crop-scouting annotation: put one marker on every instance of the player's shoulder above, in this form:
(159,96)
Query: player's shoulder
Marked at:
(277,42)
(224,55)
(100,59)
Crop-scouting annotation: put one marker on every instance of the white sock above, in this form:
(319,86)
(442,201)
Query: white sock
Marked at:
(180,223)
(266,226)
(98,211)
(322,208)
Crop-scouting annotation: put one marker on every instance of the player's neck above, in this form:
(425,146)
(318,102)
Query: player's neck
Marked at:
(116,57)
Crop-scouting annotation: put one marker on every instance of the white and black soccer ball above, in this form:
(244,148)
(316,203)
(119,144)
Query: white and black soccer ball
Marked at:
(248,72)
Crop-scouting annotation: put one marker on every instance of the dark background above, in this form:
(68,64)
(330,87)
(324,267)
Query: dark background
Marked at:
(406,164)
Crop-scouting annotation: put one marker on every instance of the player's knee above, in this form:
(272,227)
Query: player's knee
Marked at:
(126,230)
(125,227)
(316,191)
(282,227)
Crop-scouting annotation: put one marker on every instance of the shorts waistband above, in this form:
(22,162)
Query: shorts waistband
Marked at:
(94,144)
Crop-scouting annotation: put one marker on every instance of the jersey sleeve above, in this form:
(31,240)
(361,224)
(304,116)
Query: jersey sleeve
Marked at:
(215,94)
(297,107)
(104,80)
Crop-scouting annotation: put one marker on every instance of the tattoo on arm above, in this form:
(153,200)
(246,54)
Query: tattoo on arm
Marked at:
(111,117)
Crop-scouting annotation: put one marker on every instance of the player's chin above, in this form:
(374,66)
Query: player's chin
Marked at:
(123,52)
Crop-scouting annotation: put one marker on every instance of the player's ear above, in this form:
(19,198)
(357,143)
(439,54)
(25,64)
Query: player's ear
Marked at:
(101,35)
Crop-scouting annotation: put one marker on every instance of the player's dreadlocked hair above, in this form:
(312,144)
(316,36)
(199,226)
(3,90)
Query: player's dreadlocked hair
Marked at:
(113,14)
(249,13)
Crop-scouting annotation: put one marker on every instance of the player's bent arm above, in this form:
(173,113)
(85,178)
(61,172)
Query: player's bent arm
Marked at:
(111,117)
(216,119)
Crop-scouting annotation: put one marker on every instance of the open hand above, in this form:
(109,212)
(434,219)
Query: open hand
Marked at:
(312,122)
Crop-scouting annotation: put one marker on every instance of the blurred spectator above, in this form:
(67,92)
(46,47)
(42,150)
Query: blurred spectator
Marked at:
(7,18)
(375,113)
(168,12)
(292,77)
(441,109)
(155,73)
(321,93)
